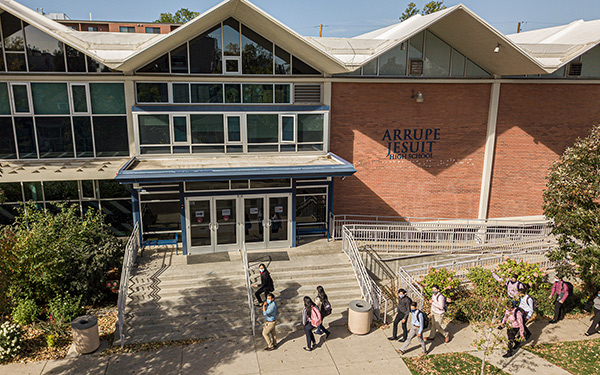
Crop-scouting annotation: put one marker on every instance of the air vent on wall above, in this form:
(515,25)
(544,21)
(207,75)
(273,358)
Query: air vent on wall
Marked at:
(307,93)
(574,69)
(416,68)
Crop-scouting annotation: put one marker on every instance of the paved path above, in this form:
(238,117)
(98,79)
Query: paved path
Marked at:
(343,354)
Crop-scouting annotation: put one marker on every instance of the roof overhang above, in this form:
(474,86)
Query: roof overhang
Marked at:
(238,167)
(59,170)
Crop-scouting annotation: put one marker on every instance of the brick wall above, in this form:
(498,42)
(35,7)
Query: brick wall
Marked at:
(447,185)
(536,123)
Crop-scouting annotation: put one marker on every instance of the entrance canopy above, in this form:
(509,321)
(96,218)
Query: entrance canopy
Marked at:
(142,170)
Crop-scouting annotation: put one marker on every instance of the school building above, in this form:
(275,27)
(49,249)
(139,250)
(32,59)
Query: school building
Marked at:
(234,129)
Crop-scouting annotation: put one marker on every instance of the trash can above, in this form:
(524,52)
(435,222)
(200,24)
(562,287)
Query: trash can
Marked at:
(359,317)
(85,334)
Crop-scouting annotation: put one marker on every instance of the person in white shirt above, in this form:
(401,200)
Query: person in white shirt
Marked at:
(526,304)
(438,309)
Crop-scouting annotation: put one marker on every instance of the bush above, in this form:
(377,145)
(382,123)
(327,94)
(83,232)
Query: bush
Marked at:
(63,309)
(473,307)
(443,278)
(10,340)
(484,283)
(25,312)
(530,274)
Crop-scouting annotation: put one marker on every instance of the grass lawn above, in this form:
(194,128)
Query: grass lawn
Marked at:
(449,364)
(577,357)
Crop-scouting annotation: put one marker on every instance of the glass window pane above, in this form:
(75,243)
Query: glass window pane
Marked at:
(54,136)
(160,216)
(263,148)
(473,70)
(79,95)
(257,53)
(113,189)
(207,185)
(87,189)
(239,184)
(416,46)
(50,98)
(207,129)
(458,64)
(393,62)
(370,68)
(75,60)
(276,182)
(231,37)
(25,137)
(233,129)
(590,60)
(110,136)
(146,150)
(4,101)
(287,128)
(94,66)
(232,93)
(310,147)
(44,53)
(12,32)
(15,62)
(232,66)
(154,129)
(287,148)
(20,98)
(181,150)
(282,94)
(61,190)
(437,57)
(282,61)
(1,62)
(258,93)
(208,149)
(8,213)
(152,92)
(235,149)
(300,67)
(310,128)
(7,139)
(179,59)
(181,93)
(118,216)
(12,191)
(107,98)
(180,129)
(33,191)
(160,65)
(83,136)
(262,128)
(207,93)
(205,52)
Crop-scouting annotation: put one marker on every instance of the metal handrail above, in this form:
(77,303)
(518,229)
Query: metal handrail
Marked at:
(249,289)
(129,258)
(412,287)
(370,291)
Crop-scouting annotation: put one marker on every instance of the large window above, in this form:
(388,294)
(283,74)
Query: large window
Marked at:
(311,207)
(62,120)
(230,48)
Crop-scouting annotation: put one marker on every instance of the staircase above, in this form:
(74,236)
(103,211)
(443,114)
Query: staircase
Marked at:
(171,300)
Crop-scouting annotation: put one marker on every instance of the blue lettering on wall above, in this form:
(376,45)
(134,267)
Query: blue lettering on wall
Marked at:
(411,143)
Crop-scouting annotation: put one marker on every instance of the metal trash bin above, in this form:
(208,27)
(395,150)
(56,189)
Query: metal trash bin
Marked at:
(359,317)
(85,334)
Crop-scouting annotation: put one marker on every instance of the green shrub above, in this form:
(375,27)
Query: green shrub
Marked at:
(443,278)
(474,307)
(25,312)
(10,340)
(64,308)
(484,283)
(530,274)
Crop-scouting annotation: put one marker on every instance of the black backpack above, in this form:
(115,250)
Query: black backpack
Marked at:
(326,308)
(425,320)
(570,288)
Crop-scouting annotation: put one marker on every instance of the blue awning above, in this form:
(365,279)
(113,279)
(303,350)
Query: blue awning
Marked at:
(237,167)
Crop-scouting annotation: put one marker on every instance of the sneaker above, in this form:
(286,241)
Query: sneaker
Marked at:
(430,338)
(307,349)
(392,338)
(402,340)
(552,321)
(587,334)
(268,348)
(401,351)
(327,335)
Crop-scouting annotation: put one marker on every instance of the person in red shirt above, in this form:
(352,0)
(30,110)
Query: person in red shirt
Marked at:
(561,289)
(515,328)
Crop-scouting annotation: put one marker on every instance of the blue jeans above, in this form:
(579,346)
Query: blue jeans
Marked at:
(310,338)
(321,329)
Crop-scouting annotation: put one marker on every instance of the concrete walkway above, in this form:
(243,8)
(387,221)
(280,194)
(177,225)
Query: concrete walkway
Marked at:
(343,353)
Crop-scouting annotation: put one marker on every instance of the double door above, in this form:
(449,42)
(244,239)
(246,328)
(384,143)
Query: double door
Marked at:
(226,223)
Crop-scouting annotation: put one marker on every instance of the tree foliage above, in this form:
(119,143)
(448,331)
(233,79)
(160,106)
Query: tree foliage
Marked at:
(430,7)
(572,200)
(183,15)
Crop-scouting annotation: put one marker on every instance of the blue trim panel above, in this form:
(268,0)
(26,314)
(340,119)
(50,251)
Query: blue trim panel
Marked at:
(293,208)
(183,221)
(228,108)
(135,210)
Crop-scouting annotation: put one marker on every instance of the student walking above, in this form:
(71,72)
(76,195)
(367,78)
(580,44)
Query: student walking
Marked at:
(438,309)
(594,303)
(402,313)
(417,318)
(561,289)
(266,284)
(322,302)
(515,327)
(527,307)
(512,285)
(270,312)
(311,318)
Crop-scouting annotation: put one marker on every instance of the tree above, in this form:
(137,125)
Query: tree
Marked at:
(183,15)
(572,200)
(430,7)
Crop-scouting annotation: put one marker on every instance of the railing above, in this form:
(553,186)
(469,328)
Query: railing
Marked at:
(369,290)
(381,272)
(131,250)
(249,289)
(412,287)
(337,222)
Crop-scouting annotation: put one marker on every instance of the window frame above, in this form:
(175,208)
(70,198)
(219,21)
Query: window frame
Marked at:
(87,98)
(188,134)
(12,98)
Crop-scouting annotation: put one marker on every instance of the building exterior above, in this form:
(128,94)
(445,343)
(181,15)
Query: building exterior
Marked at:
(233,129)
(119,27)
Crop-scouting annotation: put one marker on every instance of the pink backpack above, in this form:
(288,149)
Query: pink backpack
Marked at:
(315,316)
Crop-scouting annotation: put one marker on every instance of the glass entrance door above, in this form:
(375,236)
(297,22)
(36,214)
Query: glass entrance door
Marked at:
(278,222)
(254,223)
(200,226)
(226,223)
(212,224)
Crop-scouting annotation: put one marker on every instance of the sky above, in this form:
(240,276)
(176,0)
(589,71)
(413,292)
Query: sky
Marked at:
(341,18)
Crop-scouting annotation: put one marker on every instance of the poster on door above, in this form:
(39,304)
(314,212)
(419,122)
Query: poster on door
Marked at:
(253,210)
(199,216)
(226,213)
(278,209)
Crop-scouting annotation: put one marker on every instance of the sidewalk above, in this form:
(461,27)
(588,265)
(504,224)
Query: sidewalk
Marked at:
(343,353)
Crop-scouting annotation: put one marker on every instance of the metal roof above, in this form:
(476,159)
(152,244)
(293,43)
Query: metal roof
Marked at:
(196,168)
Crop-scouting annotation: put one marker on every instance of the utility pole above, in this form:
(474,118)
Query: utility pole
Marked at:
(519,27)
(320,30)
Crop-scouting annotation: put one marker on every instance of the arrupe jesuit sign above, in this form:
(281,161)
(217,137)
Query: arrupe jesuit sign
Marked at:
(411,143)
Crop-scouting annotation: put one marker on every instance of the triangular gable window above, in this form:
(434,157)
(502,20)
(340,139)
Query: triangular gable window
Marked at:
(229,48)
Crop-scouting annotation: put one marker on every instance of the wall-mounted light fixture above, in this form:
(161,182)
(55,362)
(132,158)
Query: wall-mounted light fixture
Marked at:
(418,97)
(497,49)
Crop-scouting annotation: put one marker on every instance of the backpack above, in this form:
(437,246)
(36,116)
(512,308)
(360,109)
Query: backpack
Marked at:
(315,316)
(534,303)
(325,309)
(569,288)
(425,320)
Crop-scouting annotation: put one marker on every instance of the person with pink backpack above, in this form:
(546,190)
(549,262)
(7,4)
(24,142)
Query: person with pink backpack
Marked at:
(311,319)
